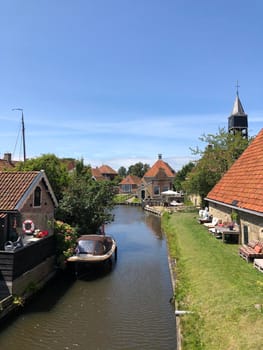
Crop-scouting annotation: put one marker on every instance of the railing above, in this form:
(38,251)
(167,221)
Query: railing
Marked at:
(14,263)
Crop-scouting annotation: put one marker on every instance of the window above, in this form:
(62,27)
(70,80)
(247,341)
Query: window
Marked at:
(156,190)
(126,188)
(37,197)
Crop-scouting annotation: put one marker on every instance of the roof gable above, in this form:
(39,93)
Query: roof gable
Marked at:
(158,166)
(242,185)
(131,180)
(96,174)
(16,186)
(106,169)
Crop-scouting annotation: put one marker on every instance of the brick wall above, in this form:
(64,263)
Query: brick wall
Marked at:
(41,216)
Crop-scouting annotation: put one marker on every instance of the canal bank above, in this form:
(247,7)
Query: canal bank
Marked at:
(159,211)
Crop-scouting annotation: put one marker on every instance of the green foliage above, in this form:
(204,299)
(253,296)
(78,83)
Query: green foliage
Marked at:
(135,199)
(234,216)
(122,171)
(55,170)
(66,238)
(138,169)
(222,150)
(18,300)
(116,181)
(181,176)
(81,169)
(86,204)
(121,198)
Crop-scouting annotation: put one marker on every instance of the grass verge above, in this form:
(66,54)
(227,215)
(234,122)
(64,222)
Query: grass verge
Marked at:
(224,293)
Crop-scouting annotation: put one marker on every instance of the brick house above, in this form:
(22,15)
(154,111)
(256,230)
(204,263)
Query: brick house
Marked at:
(96,174)
(130,184)
(240,191)
(25,196)
(157,179)
(107,172)
(103,172)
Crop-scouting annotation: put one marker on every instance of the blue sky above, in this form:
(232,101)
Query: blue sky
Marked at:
(119,81)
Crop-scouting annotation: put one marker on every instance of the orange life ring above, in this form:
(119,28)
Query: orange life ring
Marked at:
(28,227)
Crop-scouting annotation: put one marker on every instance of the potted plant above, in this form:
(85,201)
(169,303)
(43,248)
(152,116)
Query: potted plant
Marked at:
(234,216)
(231,225)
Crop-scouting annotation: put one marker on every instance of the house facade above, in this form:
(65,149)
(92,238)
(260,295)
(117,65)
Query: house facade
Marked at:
(107,172)
(238,195)
(130,184)
(27,203)
(157,179)
(25,196)
(104,172)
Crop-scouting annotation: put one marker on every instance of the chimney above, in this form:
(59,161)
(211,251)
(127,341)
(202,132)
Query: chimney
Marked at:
(8,157)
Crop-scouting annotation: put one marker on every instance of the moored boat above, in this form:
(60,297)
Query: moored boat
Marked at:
(94,249)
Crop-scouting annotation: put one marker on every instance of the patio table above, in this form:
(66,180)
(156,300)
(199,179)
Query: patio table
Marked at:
(223,230)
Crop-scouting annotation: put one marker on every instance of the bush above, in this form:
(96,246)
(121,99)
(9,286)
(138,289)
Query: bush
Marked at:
(66,239)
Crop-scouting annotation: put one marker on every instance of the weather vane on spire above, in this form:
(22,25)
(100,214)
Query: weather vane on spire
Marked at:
(237,86)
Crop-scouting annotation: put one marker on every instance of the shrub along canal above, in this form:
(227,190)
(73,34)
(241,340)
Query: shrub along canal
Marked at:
(125,308)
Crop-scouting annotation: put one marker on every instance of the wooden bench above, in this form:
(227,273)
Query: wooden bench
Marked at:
(258,264)
(252,250)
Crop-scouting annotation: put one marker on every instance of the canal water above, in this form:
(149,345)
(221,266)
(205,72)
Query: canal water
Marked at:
(123,308)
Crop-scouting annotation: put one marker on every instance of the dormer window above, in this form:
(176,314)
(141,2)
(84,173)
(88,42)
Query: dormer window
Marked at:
(37,197)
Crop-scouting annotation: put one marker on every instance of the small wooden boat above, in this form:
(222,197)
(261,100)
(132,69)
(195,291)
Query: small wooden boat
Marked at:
(94,249)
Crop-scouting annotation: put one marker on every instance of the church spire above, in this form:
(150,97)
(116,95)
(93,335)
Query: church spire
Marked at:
(238,108)
(237,121)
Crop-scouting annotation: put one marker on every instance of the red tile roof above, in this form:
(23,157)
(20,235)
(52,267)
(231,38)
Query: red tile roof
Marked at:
(13,185)
(243,183)
(5,165)
(158,165)
(105,169)
(131,180)
(97,174)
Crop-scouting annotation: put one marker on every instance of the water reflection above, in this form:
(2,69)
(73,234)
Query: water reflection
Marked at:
(154,224)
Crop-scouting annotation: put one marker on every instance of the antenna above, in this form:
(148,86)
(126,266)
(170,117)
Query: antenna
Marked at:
(23,131)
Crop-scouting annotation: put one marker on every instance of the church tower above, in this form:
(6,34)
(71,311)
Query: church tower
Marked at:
(237,121)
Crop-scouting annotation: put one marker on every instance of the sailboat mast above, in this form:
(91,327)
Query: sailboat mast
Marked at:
(23,132)
(23,136)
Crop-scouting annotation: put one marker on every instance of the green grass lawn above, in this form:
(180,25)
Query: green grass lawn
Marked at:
(223,291)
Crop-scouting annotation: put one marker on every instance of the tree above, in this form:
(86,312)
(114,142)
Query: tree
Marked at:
(86,204)
(181,175)
(122,171)
(222,150)
(138,169)
(55,170)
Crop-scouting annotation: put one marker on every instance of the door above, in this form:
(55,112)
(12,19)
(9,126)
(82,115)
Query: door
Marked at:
(245,234)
